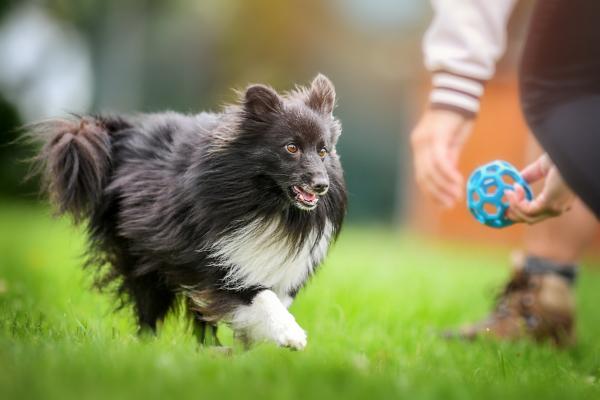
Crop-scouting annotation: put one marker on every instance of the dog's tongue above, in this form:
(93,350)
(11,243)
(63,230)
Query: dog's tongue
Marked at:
(309,196)
(306,196)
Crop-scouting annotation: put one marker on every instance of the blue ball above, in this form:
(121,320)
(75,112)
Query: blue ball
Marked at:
(485,192)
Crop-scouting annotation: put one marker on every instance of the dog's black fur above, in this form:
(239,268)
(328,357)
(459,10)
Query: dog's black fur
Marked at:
(157,190)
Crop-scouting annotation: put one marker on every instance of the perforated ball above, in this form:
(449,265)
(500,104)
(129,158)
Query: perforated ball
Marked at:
(485,192)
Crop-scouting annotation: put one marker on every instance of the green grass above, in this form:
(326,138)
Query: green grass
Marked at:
(372,314)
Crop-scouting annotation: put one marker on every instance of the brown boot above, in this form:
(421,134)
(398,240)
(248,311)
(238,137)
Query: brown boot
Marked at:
(538,305)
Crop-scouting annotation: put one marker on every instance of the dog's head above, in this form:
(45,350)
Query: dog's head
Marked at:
(294,137)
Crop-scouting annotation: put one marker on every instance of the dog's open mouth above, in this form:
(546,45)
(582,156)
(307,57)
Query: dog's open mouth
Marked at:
(304,199)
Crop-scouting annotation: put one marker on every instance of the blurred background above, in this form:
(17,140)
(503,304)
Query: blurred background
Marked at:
(402,272)
(59,56)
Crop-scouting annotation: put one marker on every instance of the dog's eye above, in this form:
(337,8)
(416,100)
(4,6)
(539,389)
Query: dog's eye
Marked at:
(323,152)
(291,148)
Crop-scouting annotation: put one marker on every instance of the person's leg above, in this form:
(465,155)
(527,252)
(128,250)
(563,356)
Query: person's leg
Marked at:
(560,95)
(562,239)
(537,301)
(553,250)
(560,90)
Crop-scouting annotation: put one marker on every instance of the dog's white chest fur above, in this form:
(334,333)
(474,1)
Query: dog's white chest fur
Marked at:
(258,254)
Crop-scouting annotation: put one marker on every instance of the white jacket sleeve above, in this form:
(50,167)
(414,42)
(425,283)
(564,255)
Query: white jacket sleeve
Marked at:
(461,46)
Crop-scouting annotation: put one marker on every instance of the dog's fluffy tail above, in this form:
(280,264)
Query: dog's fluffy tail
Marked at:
(74,162)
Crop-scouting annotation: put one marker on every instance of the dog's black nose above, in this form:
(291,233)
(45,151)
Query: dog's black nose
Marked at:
(320,185)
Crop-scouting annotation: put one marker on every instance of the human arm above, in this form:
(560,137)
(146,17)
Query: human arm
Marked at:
(461,48)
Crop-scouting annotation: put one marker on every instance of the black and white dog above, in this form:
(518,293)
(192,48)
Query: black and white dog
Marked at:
(233,211)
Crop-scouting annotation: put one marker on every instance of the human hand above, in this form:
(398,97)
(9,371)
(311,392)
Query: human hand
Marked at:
(437,141)
(556,197)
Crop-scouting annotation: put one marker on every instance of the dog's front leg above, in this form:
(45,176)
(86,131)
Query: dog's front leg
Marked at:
(267,319)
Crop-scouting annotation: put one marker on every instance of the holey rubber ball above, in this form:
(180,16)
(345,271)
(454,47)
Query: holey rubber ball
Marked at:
(485,192)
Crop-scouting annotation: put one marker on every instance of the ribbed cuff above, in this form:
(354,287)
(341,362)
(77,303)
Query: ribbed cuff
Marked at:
(456,93)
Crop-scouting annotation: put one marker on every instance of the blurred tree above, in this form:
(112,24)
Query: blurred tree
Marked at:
(150,55)
(11,169)
(13,156)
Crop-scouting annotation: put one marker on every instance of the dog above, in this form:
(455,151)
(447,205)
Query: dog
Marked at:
(232,211)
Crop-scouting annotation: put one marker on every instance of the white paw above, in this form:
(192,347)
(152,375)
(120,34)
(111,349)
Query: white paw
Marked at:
(266,319)
(290,335)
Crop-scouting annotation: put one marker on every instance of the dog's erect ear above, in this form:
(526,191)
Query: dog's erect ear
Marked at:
(261,101)
(321,96)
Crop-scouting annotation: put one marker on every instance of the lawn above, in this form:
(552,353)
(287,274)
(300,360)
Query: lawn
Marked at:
(373,316)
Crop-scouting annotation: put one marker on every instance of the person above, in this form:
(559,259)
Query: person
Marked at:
(560,89)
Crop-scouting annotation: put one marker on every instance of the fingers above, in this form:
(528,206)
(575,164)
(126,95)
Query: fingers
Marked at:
(519,192)
(439,179)
(436,143)
(537,169)
(518,211)
(530,212)
(438,190)
(445,166)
